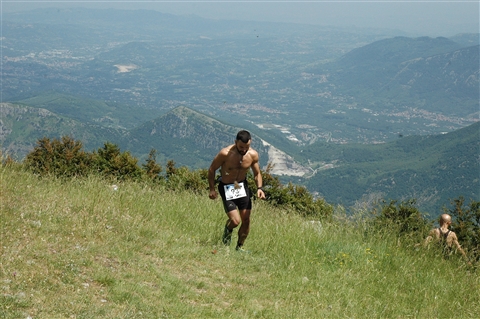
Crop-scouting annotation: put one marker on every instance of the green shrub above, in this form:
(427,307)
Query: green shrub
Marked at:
(403,219)
(151,167)
(171,169)
(110,162)
(466,225)
(294,197)
(61,158)
(183,178)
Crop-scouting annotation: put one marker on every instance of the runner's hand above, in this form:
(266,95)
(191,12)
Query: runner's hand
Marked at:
(213,194)
(260,194)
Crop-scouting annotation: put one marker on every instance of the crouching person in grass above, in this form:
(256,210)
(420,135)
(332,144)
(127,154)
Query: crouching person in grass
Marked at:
(234,162)
(446,238)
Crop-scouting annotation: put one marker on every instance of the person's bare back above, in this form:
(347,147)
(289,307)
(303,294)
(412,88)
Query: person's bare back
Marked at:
(444,234)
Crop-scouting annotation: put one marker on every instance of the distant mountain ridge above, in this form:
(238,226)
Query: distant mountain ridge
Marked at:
(22,126)
(90,111)
(432,169)
(185,136)
(397,50)
(424,72)
(150,23)
(452,73)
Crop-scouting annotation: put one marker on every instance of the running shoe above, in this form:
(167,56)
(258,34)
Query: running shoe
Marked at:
(227,236)
(242,250)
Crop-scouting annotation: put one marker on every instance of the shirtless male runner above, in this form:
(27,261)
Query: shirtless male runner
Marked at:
(234,161)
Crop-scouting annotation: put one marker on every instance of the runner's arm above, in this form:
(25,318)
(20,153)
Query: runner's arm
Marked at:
(457,244)
(257,175)
(429,237)
(216,164)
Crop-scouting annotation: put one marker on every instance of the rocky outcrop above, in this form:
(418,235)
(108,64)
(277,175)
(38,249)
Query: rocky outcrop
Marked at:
(283,164)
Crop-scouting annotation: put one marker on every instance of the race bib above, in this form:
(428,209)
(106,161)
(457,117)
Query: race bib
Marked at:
(233,193)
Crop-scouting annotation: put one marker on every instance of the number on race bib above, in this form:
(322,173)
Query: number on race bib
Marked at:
(233,193)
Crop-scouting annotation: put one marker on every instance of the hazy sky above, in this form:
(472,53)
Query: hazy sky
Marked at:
(430,18)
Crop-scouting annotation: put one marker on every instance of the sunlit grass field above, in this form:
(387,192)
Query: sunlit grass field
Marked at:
(80,249)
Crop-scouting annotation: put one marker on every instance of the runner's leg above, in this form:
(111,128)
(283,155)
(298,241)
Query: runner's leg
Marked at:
(232,222)
(245,227)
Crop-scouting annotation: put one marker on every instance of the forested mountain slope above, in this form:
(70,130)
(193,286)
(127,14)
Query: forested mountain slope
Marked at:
(431,169)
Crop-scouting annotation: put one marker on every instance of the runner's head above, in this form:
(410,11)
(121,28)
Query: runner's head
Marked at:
(243,141)
(243,136)
(445,219)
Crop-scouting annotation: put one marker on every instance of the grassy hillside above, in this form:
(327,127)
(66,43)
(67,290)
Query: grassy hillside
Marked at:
(80,249)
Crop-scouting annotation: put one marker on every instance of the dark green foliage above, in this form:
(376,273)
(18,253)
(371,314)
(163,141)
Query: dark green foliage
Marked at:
(294,197)
(271,184)
(403,219)
(183,178)
(109,161)
(302,201)
(171,170)
(151,167)
(62,158)
(466,225)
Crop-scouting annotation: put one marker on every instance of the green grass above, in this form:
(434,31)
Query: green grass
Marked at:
(79,249)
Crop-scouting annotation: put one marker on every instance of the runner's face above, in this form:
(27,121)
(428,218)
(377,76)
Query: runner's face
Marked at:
(242,148)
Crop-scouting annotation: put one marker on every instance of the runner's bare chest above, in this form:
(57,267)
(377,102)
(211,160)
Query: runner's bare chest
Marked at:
(235,167)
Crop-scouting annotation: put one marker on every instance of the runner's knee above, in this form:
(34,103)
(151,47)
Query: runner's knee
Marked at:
(245,220)
(234,221)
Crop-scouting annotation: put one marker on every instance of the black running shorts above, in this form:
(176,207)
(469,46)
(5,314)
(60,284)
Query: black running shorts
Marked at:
(232,204)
